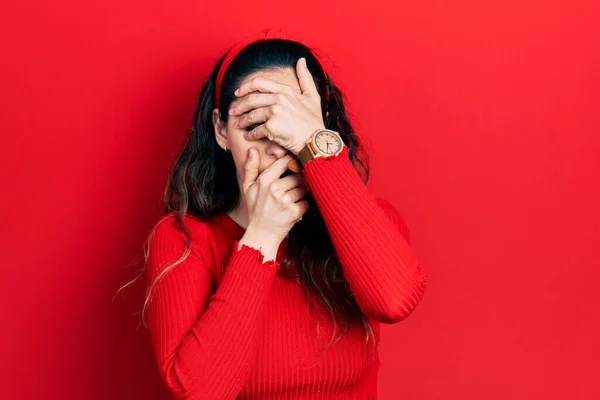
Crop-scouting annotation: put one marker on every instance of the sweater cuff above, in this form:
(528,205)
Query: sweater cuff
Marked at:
(342,157)
(251,255)
(322,171)
(247,273)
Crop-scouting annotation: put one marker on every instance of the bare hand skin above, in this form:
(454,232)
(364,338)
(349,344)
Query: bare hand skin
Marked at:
(265,245)
(274,204)
(283,114)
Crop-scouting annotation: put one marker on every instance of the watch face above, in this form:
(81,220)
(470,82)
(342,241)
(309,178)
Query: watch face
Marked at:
(328,142)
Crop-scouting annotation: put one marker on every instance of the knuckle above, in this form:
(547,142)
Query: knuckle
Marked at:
(298,212)
(275,109)
(286,198)
(274,188)
(262,181)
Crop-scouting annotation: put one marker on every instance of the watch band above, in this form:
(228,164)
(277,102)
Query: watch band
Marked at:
(306,154)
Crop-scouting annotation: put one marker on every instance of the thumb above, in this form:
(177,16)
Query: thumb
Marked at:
(250,169)
(305,79)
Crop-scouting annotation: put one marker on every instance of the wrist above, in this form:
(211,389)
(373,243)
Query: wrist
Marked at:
(297,149)
(301,145)
(258,239)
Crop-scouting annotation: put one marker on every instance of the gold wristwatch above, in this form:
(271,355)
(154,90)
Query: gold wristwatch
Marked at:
(322,143)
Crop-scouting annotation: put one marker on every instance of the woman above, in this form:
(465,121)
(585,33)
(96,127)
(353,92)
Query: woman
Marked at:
(264,282)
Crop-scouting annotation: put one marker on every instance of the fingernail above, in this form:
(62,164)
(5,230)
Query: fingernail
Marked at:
(237,91)
(250,152)
(304,61)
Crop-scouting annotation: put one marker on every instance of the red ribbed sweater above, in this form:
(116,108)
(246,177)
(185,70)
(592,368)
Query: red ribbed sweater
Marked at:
(225,324)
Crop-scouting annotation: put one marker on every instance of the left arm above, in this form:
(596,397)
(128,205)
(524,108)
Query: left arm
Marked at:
(370,238)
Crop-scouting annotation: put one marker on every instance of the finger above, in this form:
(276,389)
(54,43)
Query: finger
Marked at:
(305,79)
(301,207)
(292,181)
(275,170)
(261,84)
(259,132)
(294,195)
(250,169)
(250,101)
(254,117)
(294,166)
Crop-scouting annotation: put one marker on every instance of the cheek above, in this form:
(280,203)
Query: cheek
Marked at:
(236,141)
(239,151)
(239,148)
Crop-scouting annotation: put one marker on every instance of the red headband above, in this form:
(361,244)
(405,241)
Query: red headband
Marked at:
(269,33)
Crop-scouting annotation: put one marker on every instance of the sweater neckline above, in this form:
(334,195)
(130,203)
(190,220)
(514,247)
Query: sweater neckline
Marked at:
(233,223)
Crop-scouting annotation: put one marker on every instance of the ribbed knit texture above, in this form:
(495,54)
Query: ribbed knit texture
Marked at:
(225,324)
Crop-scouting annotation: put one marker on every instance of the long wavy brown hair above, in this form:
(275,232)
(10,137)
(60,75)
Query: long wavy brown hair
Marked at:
(203,182)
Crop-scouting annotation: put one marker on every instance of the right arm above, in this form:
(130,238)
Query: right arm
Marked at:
(205,344)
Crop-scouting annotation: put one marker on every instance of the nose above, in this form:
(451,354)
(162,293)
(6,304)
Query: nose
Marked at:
(276,150)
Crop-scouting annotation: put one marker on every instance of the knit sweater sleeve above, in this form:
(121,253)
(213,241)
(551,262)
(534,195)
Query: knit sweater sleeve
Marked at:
(370,238)
(204,338)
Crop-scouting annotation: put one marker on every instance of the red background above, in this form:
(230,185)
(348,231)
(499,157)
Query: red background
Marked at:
(482,122)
